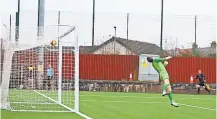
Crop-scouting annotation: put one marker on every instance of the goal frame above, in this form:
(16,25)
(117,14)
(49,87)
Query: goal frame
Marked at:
(9,51)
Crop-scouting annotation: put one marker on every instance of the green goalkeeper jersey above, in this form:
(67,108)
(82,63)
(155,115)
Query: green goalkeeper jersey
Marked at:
(160,68)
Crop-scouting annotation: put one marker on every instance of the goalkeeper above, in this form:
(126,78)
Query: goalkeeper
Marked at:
(159,66)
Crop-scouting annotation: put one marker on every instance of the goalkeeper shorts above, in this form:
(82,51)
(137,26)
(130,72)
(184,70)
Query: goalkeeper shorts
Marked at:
(164,75)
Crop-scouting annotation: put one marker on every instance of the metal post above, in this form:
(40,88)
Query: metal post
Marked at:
(17,23)
(115,30)
(58,25)
(10,29)
(127,24)
(60,73)
(195,28)
(161,34)
(176,46)
(76,84)
(21,77)
(1,59)
(40,36)
(59,64)
(115,40)
(93,27)
(194,46)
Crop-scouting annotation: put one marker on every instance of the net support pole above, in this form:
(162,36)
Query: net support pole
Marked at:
(40,36)
(76,84)
(7,64)
(60,74)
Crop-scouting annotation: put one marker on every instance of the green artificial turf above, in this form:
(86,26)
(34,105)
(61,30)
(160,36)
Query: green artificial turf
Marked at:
(111,105)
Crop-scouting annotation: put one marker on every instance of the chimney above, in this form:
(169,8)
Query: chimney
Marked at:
(213,44)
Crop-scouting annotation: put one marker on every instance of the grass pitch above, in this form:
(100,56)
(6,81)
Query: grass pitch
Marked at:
(113,105)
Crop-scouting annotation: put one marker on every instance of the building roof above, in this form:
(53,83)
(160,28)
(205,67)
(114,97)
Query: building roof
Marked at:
(87,49)
(137,47)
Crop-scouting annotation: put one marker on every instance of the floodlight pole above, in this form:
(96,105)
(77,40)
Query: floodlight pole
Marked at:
(93,24)
(115,30)
(17,23)
(127,25)
(161,34)
(40,36)
(10,29)
(58,25)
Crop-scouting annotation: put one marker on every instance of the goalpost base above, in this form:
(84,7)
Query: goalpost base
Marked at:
(4,87)
(5,106)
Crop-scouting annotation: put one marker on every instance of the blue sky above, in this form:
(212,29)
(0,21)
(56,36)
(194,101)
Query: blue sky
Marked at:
(144,24)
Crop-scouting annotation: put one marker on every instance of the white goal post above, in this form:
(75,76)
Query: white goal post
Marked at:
(38,81)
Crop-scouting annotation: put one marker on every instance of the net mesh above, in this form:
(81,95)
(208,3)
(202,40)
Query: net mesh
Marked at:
(38,76)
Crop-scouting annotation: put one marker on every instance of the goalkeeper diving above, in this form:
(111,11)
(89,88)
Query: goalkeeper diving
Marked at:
(159,64)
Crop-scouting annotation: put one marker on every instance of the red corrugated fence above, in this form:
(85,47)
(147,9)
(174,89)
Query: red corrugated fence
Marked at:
(119,67)
(180,69)
(108,67)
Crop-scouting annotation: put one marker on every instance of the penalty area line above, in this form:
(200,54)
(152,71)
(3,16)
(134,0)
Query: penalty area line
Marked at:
(197,107)
(70,109)
(83,115)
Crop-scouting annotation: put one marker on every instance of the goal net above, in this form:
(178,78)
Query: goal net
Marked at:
(39,77)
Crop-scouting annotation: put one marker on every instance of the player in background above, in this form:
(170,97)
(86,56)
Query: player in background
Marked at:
(202,81)
(159,64)
(30,76)
(49,77)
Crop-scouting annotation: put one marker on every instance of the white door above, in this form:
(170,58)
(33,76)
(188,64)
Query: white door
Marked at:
(146,70)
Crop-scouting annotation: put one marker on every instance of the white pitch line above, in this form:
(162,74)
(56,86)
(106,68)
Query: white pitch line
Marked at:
(148,103)
(54,101)
(197,107)
(143,97)
(38,103)
(38,111)
(81,114)
(119,101)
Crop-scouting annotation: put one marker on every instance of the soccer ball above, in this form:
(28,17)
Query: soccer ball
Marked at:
(53,42)
(165,63)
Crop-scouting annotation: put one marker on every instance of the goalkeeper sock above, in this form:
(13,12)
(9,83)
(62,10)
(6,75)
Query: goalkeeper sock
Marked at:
(207,90)
(170,95)
(198,91)
(165,87)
